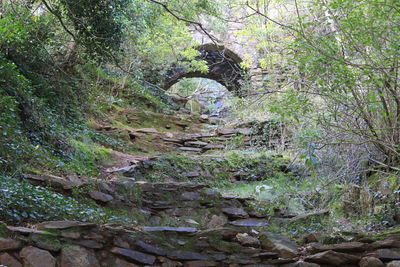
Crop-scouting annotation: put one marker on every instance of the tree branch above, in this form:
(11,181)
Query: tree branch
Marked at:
(59,19)
(166,8)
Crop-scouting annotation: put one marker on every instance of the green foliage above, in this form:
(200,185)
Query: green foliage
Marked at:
(86,157)
(350,68)
(236,141)
(22,202)
(12,33)
(97,23)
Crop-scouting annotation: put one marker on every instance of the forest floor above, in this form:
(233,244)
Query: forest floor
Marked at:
(189,191)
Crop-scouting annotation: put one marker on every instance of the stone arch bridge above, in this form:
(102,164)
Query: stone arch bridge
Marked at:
(223,64)
(223,59)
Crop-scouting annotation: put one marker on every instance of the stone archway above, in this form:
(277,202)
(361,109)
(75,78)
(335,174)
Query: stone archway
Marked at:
(224,67)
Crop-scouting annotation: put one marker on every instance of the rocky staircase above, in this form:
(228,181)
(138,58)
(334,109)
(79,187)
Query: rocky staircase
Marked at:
(182,224)
(177,224)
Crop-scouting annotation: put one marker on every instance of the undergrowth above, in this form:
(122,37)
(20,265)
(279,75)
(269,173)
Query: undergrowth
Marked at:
(21,203)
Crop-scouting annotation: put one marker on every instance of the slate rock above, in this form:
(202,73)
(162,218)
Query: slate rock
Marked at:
(191,174)
(71,234)
(25,230)
(217,221)
(388,254)
(100,196)
(211,147)
(170,229)
(284,246)
(147,130)
(250,223)
(76,256)
(9,244)
(236,213)
(149,248)
(266,255)
(190,149)
(200,264)
(190,196)
(45,243)
(333,258)
(165,262)
(8,260)
(63,225)
(300,264)
(121,263)
(386,243)
(136,256)
(342,247)
(195,144)
(120,242)
(186,255)
(92,244)
(35,257)
(247,240)
(53,180)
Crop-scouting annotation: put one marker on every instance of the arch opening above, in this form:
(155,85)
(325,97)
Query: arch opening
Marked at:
(203,96)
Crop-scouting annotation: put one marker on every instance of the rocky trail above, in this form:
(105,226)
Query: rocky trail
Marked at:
(177,223)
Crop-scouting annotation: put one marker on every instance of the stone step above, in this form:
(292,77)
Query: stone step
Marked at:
(190,149)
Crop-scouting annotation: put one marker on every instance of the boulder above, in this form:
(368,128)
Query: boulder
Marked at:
(8,260)
(76,256)
(311,238)
(388,254)
(393,264)
(371,262)
(9,244)
(386,243)
(34,257)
